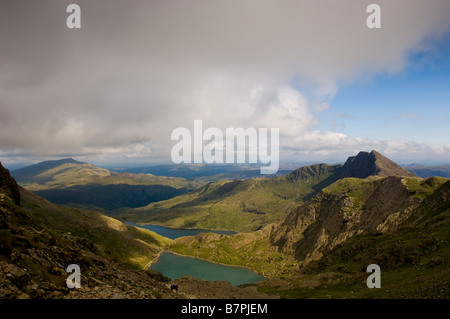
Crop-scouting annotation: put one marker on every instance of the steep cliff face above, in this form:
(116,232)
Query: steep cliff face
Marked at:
(346,208)
(8,186)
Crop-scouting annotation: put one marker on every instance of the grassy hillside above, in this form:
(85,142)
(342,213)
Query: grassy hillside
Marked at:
(109,197)
(66,173)
(322,249)
(249,205)
(413,260)
(57,174)
(251,250)
(81,184)
(240,205)
(146,179)
(126,244)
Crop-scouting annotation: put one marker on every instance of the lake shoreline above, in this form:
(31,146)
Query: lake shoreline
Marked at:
(167,248)
(175,266)
(204,259)
(155,259)
(186,228)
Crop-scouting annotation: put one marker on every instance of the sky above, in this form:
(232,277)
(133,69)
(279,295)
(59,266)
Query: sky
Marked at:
(112,92)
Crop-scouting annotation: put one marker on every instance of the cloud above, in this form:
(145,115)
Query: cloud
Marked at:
(134,72)
(338,146)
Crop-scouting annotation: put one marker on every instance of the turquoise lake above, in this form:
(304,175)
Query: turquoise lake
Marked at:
(175,266)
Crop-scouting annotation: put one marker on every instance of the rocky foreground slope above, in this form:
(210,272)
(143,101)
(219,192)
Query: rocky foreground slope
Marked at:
(38,240)
(34,257)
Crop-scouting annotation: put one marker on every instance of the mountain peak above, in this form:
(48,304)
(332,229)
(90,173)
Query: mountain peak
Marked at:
(366,164)
(376,154)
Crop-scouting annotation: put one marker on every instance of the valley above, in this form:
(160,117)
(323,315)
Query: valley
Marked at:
(310,233)
(249,205)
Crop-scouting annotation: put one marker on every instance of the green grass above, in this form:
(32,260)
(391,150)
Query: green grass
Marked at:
(85,184)
(70,174)
(414,262)
(240,205)
(127,244)
(65,175)
(414,259)
(424,187)
(251,250)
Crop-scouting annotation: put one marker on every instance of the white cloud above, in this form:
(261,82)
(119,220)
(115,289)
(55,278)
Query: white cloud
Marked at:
(335,145)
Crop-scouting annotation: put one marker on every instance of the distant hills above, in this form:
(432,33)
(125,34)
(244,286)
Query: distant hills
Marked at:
(247,197)
(248,205)
(211,200)
(425,171)
(68,181)
(205,172)
(57,174)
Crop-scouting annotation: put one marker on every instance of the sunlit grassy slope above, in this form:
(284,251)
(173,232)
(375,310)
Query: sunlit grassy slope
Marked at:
(414,258)
(241,205)
(84,185)
(126,244)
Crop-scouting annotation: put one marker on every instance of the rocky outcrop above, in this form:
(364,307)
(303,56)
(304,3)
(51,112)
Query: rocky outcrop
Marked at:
(8,186)
(347,208)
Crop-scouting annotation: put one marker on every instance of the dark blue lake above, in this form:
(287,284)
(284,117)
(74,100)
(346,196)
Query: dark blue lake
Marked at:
(173,233)
(176,266)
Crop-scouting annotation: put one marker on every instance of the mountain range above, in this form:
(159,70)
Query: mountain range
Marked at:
(249,205)
(311,233)
(426,171)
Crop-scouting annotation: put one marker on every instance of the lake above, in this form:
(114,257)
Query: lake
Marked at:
(175,266)
(173,233)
